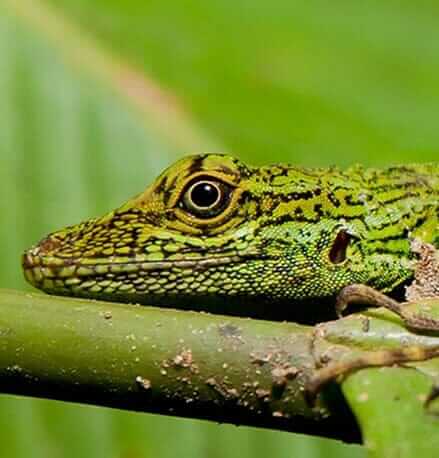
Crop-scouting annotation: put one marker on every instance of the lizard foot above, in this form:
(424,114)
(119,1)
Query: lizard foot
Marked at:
(362,294)
(379,358)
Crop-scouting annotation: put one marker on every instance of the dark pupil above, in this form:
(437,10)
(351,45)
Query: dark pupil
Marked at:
(204,195)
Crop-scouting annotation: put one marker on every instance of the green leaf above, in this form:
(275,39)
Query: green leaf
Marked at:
(389,405)
(312,82)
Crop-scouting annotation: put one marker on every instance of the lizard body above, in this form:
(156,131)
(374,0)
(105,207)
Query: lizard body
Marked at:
(211,229)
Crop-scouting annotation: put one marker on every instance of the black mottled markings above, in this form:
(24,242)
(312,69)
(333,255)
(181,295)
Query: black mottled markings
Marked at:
(319,214)
(197,164)
(282,197)
(318,210)
(405,233)
(282,172)
(246,197)
(386,250)
(272,173)
(334,201)
(399,169)
(413,182)
(171,216)
(400,198)
(161,186)
(353,201)
(302,195)
(243,171)
(298,217)
(419,221)
(168,189)
(171,185)
(227,171)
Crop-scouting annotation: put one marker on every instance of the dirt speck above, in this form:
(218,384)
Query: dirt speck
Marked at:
(262,394)
(183,359)
(226,393)
(229,330)
(260,359)
(281,375)
(211,381)
(15,368)
(143,383)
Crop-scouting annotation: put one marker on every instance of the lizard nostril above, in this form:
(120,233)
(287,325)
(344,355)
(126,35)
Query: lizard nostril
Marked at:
(49,244)
(337,255)
(45,247)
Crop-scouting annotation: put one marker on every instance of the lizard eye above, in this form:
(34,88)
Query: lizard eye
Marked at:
(206,197)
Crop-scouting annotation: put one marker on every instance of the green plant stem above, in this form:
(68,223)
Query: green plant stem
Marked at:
(170,362)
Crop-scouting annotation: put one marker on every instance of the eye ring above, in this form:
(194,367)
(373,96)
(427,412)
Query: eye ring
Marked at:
(204,194)
(206,197)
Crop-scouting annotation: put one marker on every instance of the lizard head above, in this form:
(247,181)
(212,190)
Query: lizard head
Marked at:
(209,230)
(176,240)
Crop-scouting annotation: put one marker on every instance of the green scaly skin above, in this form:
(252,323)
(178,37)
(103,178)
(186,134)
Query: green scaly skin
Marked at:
(281,234)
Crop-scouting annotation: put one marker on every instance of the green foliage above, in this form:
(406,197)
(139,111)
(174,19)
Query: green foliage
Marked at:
(313,82)
(308,82)
(389,404)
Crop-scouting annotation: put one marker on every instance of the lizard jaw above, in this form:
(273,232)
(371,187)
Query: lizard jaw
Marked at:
(57,275)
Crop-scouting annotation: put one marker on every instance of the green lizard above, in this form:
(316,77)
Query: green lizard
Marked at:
(213,230)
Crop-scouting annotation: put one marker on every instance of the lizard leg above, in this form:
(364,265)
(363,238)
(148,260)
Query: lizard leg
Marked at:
(362,294)
(379,358)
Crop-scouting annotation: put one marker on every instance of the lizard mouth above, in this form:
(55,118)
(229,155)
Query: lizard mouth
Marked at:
(59,274)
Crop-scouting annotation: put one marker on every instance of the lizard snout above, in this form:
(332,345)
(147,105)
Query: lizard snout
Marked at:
(41,263)
(34,256)
(48,245)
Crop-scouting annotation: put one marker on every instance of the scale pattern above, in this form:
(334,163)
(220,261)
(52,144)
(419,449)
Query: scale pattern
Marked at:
(285,233)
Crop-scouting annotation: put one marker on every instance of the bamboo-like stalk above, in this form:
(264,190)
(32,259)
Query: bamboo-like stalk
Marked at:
(183,363)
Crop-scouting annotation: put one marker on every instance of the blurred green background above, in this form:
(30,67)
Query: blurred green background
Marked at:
(97,96)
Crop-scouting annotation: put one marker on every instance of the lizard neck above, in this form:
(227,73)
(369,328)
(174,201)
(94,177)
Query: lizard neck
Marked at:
(308,195)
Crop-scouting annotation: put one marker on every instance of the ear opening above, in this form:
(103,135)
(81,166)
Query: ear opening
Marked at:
(337,255)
